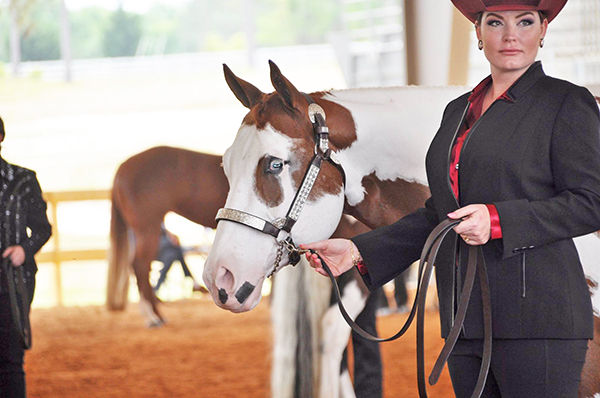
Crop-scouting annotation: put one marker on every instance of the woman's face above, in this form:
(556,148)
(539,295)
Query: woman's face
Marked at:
(511,39)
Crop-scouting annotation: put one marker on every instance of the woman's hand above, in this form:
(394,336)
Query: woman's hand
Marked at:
(16,253)
(475,228)
(335,252)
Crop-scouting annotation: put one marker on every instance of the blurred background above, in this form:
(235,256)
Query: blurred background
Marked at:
(85,84)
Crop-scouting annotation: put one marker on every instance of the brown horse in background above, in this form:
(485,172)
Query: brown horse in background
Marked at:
(145,188)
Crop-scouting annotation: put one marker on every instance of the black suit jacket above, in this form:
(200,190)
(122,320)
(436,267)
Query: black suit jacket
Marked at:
(23,219)
(537,159)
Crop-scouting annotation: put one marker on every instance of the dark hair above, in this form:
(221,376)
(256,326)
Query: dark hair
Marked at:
(542,15)
(2,127)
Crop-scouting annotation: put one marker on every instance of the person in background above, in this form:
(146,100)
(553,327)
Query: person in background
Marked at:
(400,297)
(24,229)
(169,250)
(518,161)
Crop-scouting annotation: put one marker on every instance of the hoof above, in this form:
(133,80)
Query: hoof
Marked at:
(156,324)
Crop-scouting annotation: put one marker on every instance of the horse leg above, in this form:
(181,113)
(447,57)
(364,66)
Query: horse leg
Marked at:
(284,306)
(145,252)
(368,377)
(336,334)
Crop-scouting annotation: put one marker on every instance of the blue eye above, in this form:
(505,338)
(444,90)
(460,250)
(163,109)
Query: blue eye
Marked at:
(276,165)
(273,165)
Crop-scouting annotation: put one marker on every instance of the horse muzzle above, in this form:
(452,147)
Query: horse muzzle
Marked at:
(232,296)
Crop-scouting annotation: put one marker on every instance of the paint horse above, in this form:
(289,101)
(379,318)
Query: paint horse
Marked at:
(146,187)
(193,185)
(380,138)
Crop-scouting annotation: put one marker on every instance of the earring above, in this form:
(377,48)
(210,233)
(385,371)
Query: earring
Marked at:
(480,44)
(542,42)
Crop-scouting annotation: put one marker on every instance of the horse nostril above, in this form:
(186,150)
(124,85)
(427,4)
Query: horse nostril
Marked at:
(222,296)
(225,282)
(225,279)
(244,291)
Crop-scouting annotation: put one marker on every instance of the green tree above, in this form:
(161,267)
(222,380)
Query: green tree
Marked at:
(88,27)
(123,34)
(41,39)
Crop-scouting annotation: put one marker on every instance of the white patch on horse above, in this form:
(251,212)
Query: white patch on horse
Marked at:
(384,117)
(336,333)
(588,247)
(284,309)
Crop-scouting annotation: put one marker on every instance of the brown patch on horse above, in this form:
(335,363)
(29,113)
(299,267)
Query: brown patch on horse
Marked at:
(592,284)
(387,201)
(590,377)
(342,129)
(296,124)
(267,186)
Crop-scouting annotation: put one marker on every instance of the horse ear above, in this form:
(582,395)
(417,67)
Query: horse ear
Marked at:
(244,91)
(286,90)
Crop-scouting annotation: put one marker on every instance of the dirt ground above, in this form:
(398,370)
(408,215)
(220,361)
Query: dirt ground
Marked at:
(203,352)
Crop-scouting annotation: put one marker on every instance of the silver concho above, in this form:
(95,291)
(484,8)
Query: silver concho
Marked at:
(334,157)
(314,109)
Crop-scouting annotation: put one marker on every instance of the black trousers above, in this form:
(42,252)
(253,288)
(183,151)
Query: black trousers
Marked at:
(167,257)
(12,375)
(528,368)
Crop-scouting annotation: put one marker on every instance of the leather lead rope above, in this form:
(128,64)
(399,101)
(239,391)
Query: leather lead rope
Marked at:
(476,265)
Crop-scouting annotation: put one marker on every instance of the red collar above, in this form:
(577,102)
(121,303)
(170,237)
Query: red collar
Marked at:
(479,91)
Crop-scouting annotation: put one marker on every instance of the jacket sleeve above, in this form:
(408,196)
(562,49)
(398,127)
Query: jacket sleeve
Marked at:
(39,228)
(389,250)
(575,164)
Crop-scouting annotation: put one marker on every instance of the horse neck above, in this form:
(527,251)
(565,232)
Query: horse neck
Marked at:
(385,166)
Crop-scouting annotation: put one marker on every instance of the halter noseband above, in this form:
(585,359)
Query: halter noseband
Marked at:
(322,152)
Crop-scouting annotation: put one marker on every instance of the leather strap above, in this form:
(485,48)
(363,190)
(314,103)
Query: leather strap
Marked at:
(19,301)
(476,265)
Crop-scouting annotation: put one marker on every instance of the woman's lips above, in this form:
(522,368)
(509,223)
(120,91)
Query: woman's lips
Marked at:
(510,51)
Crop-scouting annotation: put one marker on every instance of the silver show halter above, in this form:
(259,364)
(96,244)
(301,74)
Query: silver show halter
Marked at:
(322,152)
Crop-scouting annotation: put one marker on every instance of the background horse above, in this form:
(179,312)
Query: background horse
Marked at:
(193,185)
(381,137)
(145,188)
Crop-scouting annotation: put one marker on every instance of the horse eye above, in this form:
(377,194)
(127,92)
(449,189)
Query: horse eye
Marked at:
(274,165)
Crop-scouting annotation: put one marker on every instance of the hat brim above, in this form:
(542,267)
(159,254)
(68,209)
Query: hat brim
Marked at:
(472,8)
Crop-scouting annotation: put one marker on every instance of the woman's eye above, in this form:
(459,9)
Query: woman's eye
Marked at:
(493,22)
(526,22)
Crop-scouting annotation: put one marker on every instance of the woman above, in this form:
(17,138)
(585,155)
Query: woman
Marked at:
(518,159)
(24,229)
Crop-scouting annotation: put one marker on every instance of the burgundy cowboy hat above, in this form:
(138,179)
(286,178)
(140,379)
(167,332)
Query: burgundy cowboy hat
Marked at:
(472,8)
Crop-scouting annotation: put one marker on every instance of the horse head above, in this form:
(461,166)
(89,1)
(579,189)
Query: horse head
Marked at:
(269,162)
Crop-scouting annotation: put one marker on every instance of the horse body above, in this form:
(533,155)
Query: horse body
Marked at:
(145,188)
(380,136)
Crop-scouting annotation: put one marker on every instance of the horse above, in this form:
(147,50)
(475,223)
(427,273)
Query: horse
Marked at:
(378,137)
(193,185)
(146,187)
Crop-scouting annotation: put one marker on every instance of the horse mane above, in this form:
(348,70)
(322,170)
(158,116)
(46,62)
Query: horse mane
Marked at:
(373,95)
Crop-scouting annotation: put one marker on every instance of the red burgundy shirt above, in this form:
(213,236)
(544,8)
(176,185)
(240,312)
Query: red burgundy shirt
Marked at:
(473,114)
